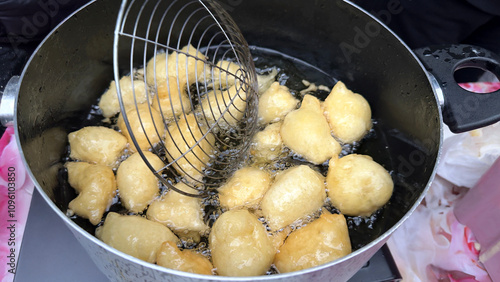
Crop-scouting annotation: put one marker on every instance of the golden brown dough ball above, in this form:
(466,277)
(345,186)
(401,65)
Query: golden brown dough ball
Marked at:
(97,144)
(170,256)
(267,144)
(187,68)
(296,192)
(358,186)
(137,184)
(245,188)
(240,245)
(134,235)
(275,103)
(109,100)
(181,213)
(146,124)
(172,98)
(348,114)
(306,132)
(95,185)
(180,138)
(321,241)
(216,102)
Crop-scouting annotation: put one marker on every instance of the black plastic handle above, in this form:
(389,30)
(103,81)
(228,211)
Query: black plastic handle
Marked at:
(463,110)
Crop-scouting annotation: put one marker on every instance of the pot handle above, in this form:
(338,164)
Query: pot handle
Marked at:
(462,110)
(7,101)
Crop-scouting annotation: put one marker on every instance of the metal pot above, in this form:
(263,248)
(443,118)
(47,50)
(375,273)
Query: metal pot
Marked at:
(74,65)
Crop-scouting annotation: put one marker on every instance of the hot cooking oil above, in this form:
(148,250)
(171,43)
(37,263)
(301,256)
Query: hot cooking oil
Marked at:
(292,73)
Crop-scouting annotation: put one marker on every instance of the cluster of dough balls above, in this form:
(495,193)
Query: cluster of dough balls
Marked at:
(155,237)
(301,233)
(269,218)
(242,245)
(109,163)
(314,131)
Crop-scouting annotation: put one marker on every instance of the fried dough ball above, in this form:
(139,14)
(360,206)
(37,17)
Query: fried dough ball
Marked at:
(95,185)
(216,102)
(275,103)
(137,184)
(96,144)
(348,114)
(224,74)
(109,100)
(306,132)
(187,68)
(146,124)
(170,256)
(321,241)
(267,144)
(296,192)
(172,100)
(240,245)
(180,213)
(134,235)
(183,135)
(245,188)
(358,186)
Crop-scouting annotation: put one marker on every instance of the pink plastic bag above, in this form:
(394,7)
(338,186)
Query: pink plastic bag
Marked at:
(432,245)
(16,189)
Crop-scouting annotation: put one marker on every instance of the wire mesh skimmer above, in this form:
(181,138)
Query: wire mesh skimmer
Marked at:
(200,108)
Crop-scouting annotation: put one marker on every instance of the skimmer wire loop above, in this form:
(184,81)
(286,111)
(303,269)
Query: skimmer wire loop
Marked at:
(200,109)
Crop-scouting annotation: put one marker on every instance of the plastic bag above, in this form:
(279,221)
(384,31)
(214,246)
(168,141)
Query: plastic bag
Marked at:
(432,245)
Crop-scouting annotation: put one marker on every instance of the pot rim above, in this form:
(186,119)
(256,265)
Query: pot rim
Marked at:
(382,238)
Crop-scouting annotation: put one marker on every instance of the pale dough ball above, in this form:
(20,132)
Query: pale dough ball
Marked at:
(181,138)
(267,144)
(134,235)
(109,100)
(137,185)
(187,68)
(170,256)
(181,213)
(97,144)
(265,80)
(224,74)
(358,186)
(296,192)
(146,124)
(216,102)
(158,66)
(95,185)
(306,132)
(245,188)
(240,245)
(172,98)
(275,103)
(321,241)
(348,114)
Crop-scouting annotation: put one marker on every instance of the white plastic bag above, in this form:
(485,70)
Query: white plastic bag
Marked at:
(432,245)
